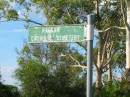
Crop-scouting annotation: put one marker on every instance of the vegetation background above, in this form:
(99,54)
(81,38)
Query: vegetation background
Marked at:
(45,72)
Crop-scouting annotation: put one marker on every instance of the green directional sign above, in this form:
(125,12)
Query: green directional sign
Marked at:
(57,33)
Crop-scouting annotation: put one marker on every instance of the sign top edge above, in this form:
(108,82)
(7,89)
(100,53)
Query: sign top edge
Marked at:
(58,25)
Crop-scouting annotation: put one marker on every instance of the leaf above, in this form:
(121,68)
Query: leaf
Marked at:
(12,15)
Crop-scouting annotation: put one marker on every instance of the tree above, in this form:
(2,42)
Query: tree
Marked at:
(69,12)
(128,40)
(8,91)
(109,19)
(52,78)
(6,12)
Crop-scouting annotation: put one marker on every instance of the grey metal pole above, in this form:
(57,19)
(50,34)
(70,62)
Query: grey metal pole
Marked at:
(90,32)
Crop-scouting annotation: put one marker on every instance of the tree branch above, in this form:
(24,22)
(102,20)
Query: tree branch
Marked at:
(80,66)
(110,59)
(31,21)
(112,27)
(82,46)
(26,20)
(105,47)
(70,15)
(123,13)
(75,60)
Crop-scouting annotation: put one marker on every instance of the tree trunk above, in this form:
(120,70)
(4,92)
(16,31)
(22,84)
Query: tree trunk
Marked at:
(98,78)
(109,73)
(97,7)
(127,72)
(109,68)
(98,71)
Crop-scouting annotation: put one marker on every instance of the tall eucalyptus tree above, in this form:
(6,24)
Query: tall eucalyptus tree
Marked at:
(128,40)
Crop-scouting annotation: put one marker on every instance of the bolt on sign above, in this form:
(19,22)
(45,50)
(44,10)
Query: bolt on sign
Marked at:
(56,33)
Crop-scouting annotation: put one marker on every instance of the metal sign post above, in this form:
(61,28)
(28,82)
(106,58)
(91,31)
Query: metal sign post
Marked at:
(90,32)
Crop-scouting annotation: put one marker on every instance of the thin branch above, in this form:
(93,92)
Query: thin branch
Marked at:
(116,27)
(105,47)
(80,66)
(26,20)
(31,21)
(75,60)
(110,59)
(82,46)
(70,15)
(123,12)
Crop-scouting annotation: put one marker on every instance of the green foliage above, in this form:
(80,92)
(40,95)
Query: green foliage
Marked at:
(3,3)
(44,81)
(53,77)
(8,91)
(19,1)
(12,15)
(113,89)
(6,11)
(31,76)
(44,73)
(65,11)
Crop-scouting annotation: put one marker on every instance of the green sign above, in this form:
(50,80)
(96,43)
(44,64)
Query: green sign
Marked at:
(57,33)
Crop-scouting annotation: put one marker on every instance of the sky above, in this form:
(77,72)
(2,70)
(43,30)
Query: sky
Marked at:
(13,35)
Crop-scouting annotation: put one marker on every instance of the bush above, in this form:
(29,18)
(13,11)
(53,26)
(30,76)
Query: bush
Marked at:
(8,91)
(113,89)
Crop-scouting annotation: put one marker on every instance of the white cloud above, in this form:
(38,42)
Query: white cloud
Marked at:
(8,75)
(22,13)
